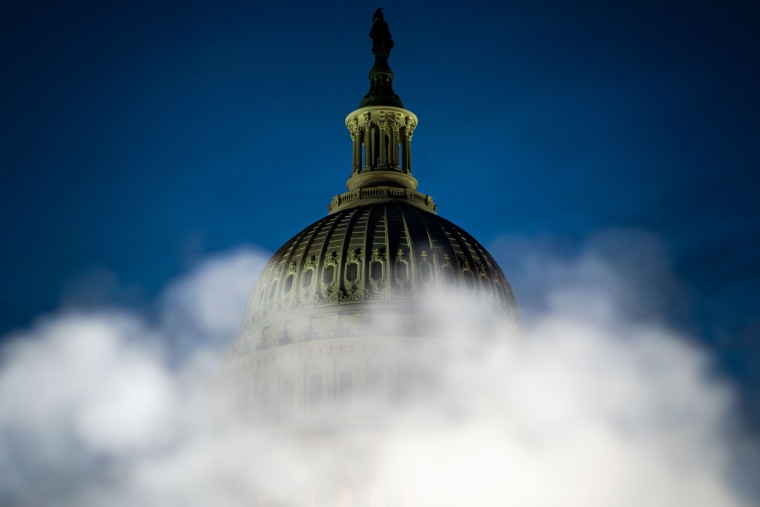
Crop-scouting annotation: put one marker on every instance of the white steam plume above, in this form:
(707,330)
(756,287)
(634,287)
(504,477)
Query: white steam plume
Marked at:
(591,408)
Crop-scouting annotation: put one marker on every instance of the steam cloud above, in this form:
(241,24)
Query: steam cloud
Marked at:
(588,407)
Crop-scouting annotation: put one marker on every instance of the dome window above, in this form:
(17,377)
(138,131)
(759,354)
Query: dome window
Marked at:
(469,276)
(328,272)
(448,271)
(401,268)
(307,277)
(352,272)
(289,282)
(308,272)
(377,269)
(426,270)
(328,275)
(402,272)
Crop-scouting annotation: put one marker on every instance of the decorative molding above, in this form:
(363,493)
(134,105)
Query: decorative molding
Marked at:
(353,128)
(369,195)
(410,124)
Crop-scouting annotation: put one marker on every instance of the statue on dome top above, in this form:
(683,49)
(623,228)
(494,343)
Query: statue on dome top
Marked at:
(382,43)
(380,75)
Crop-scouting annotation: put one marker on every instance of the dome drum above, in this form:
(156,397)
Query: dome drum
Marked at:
(330,386)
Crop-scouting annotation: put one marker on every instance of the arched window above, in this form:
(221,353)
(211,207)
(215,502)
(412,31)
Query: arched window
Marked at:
(448,271)
(426,272)
(328,275)
(401,268)
(352,272)
(289,282)
(469,279)
(307,276)
(376,271)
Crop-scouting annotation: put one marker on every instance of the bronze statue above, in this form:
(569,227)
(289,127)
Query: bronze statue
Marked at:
(381,76)
(381,37)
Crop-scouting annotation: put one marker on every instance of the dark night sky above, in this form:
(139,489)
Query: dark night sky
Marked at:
(137,138)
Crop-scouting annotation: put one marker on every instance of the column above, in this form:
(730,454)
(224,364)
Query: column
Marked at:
(408,131)
(355,148)
(357,152)
(405,146)
(381,140)
(409,152)
(382,129)
(373,148)
(394,144)
(367,145)
(367,132)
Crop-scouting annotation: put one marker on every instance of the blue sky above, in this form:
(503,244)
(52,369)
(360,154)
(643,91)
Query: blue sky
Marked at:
(138,138)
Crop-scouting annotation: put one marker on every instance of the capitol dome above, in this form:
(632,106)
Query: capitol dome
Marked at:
(379,258)
(341,312)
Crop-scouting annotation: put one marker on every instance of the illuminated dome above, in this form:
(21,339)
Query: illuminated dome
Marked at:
(342,311)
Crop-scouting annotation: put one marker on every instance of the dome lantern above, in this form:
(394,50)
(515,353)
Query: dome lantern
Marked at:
(381,138)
